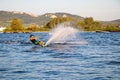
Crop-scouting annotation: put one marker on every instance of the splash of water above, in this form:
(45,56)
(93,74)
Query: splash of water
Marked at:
(62,34)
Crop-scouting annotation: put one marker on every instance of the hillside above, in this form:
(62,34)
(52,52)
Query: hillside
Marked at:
(114,22)
(52,15)
(7,16)
(117,22)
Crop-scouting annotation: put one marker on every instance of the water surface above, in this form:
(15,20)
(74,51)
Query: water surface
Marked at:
(98,59)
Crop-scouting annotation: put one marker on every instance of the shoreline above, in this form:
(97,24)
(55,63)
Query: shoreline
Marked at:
(98,31)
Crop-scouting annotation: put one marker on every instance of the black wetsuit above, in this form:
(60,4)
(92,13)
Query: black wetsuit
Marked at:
(35,41)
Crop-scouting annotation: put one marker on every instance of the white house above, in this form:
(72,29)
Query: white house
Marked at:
(2,28)
(119,26)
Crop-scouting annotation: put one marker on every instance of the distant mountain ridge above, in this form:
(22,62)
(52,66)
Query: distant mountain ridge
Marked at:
(7,16)
(116,21)
(26,18)
(64,15)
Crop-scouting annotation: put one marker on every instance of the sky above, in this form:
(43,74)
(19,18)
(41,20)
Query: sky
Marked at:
(105,10)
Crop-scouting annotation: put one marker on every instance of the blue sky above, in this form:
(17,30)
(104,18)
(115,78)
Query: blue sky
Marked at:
(106,10)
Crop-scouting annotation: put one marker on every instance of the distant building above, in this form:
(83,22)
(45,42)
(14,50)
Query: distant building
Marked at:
(53,16)
(2,28)
(119,26)
(64,15)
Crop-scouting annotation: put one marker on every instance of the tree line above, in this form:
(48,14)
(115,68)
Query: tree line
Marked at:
(87,24)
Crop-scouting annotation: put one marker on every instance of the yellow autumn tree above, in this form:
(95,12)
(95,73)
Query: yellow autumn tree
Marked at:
(16,25)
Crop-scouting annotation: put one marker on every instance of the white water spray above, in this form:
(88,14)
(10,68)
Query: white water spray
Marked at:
(62,34)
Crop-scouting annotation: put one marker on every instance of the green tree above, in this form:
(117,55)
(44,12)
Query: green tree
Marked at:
(112,28)
(88,24)
(57,21)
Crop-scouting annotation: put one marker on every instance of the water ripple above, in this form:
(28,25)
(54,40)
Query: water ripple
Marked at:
(20,72)
(99,59)
(4,69)
(113,63)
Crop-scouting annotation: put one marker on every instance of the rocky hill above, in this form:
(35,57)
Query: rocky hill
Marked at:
(7,16)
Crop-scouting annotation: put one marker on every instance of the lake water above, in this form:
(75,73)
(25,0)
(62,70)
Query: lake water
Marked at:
(98,59)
